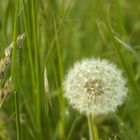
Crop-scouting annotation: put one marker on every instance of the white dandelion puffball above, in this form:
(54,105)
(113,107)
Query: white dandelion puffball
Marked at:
(95,86)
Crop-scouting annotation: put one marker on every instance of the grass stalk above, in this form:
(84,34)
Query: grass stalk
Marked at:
(60,63)
(77,118)
(14,72)
(51,50)
(18,134)
(30,19)
(34,19)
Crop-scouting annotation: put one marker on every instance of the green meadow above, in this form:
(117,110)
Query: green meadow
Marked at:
(47,37)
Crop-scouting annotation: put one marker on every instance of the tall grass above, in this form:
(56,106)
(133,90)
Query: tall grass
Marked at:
(58,33)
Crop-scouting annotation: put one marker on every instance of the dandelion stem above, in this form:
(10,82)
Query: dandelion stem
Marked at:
(93,132)
(91,135)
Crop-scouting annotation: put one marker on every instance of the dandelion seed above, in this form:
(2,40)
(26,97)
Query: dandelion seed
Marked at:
(95,86)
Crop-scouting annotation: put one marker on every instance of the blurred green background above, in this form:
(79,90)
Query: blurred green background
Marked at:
(58,33)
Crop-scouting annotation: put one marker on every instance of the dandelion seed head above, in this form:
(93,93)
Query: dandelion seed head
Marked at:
(95,86)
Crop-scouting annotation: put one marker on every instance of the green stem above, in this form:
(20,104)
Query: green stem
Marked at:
(17,116)
(31,33)
(93,132)
(13,72)
(34,18)
(91,135)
